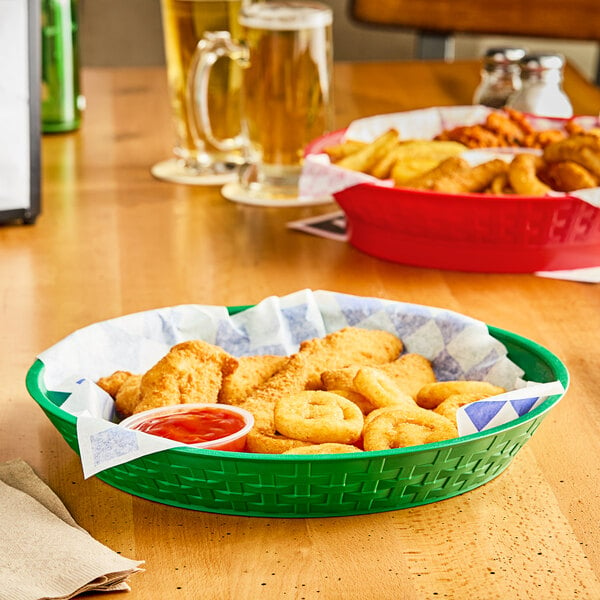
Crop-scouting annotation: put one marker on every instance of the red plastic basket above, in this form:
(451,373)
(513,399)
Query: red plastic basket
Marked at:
(469,232)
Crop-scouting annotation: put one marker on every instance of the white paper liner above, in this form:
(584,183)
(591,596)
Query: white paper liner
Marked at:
(458,347)
(319,177)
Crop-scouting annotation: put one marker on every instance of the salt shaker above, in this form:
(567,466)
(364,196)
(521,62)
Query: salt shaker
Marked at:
(541,92)
(500,76)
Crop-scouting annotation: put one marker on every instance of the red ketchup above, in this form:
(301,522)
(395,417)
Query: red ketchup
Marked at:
(198,425)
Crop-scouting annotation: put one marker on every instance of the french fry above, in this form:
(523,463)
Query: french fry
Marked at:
(364,159)
(339,151)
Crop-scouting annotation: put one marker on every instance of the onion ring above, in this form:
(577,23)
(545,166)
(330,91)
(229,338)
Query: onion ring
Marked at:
(404,426)
(316,416)
(380,389)
(432,395)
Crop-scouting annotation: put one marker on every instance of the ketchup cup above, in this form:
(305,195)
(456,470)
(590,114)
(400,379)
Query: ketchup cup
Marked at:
(213,426)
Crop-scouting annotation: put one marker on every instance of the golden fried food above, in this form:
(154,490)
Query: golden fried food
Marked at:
(404,426)
(318,417)
(433,394)
(567,176)
(584,149)
(452,403)
(500,130)
(190,372)
(499,185)
(250,373)
(260,442)
(365,158)
(339,151)
(128,396)
(410,372)
(365,406)
(473,180)
(452,166)
(438,164)
(111,383)
(348,346)
(411,158)
(349,390)
(351,345)
(523,175)
(380,389)
(327,448)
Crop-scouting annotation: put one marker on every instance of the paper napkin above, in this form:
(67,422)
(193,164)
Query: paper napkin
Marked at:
(44,554)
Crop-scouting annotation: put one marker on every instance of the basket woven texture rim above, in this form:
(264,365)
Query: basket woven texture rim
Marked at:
(325,485)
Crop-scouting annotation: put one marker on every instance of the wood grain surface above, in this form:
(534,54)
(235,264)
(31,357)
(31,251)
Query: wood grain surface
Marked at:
(112,240)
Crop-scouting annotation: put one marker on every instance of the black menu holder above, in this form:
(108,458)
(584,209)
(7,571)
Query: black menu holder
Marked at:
(20,132)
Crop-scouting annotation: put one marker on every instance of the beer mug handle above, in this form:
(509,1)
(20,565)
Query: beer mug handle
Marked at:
(213,46)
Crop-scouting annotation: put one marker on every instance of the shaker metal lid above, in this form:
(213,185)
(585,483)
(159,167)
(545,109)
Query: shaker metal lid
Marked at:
(504,55)
(542,61)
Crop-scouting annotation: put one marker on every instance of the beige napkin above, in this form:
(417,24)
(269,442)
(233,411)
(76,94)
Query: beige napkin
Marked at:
(44,554)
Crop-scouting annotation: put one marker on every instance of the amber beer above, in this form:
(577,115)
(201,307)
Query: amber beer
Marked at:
(287,84)
(184,24)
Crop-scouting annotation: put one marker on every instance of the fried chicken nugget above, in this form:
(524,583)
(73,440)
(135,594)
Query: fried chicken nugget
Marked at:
(433,394)
(583,149)
(471,181)
(567,175)
(523,175)
(251,372)
(446,168)
(128,396)
(303,372)
(190,372)
(111,383)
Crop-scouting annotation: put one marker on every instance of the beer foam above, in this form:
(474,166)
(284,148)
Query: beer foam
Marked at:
(286,16)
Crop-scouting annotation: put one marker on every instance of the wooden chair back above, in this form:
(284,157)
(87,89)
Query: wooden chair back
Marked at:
(437,21)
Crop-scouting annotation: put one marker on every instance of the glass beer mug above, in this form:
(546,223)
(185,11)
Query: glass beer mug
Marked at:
(285,55)
(197,160)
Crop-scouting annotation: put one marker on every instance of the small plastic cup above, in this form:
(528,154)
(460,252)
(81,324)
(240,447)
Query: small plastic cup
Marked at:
(179,422)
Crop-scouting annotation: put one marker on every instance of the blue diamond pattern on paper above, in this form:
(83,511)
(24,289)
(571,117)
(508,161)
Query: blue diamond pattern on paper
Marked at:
(448,328)
(229,337)
(446,367)
(356,309)
(481,413)
(523,405)
(298,323)
(407,323)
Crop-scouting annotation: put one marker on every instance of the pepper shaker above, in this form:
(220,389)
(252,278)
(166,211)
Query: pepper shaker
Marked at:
(541,92)
(500,76)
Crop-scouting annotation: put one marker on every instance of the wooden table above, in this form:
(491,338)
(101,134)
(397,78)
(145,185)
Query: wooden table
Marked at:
(112,240)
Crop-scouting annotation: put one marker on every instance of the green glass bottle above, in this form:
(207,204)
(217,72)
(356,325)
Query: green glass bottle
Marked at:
(61,99)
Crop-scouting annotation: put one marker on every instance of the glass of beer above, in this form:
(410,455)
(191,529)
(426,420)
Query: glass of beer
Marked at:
(196,160)
(286,56)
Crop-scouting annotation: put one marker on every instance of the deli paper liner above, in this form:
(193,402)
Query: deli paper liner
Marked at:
(320,178)
(457,346)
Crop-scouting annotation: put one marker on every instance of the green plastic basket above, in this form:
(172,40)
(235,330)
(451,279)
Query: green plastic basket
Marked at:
(324,485)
